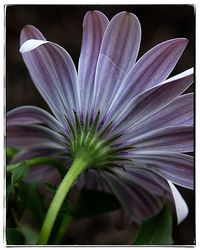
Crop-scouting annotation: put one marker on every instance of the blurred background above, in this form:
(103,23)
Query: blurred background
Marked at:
(62,24)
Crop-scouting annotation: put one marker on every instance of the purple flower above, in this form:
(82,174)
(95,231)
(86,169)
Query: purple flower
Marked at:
(134,126)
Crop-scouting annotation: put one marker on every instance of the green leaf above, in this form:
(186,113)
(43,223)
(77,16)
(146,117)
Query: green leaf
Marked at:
(10,152)
(92,203)
(17,175)
(51,188)
(157,230)
(14,236)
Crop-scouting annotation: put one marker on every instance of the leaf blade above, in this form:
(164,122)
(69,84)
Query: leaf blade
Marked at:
(157,230)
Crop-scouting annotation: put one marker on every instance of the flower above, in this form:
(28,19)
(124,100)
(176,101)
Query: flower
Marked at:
(130,123)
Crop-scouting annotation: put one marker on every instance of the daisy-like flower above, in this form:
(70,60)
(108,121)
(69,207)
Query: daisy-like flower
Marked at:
(121,123)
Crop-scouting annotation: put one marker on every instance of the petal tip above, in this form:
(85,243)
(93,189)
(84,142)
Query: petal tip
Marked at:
(31,45)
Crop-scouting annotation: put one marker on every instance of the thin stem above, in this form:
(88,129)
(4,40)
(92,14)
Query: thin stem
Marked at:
(39,161)
(63,228)
(77,167)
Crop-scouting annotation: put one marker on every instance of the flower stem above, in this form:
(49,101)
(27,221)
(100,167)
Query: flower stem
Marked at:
(63,228)
(39,161)
(78,166)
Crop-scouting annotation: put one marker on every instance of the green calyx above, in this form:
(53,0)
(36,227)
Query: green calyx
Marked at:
(89,143)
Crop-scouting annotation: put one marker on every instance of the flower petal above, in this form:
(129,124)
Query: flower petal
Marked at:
(151,101)
(175,139)
(31,45)
(30,32)
(54,75)
(136,200)
(38,150)
(118,53)
(180,204)
(178,112)
(26,135)
(153,68)
(145,177)
(177,168)
(94,25)
(30,115)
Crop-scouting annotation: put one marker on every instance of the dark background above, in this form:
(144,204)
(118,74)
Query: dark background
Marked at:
(62,24)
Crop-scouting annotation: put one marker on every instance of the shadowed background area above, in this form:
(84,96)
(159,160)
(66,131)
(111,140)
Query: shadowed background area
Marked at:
(62,24)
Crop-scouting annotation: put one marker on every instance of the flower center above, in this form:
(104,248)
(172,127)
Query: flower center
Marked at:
(93,144)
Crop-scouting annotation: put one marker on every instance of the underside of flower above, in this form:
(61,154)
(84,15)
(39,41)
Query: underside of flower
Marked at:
(88,141)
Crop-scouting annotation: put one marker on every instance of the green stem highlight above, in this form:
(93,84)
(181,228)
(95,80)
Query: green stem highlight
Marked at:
(78,166)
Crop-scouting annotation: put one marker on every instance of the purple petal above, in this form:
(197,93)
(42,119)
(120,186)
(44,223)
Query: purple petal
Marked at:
(30,115)
(180,204)
(175,139)
(30,32)
(39,150)
(177,168)
(118,53)
(53,73)
(26,135)
(153,182)
(43,175)
(151,101)
(92,179)
(153,68)
(94,25)
(178,112)
(138,201)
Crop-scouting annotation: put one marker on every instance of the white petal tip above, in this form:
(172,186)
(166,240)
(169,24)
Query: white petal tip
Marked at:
(31,45)
(180,204)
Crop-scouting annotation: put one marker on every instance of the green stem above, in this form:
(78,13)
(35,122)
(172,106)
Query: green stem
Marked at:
(78,166)
(63,228)
(39,161)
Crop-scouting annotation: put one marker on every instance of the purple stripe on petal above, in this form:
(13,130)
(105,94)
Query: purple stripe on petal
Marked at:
(94,25)
(176,139)
(153,68)
(30,115)
(178,112)
(151,101)
(54,75)
(118,53)
(26,135)
(177,168)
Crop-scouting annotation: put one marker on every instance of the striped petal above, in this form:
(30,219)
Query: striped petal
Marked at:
(177,168)
(38,150)
(94,25)
(20,136)
(118,53)
(153,182)
(30,115)
(153,68)
(178,112)
(153,100)
(136,200)
(180,204)
(30,32)
(53,73)
(175,139)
